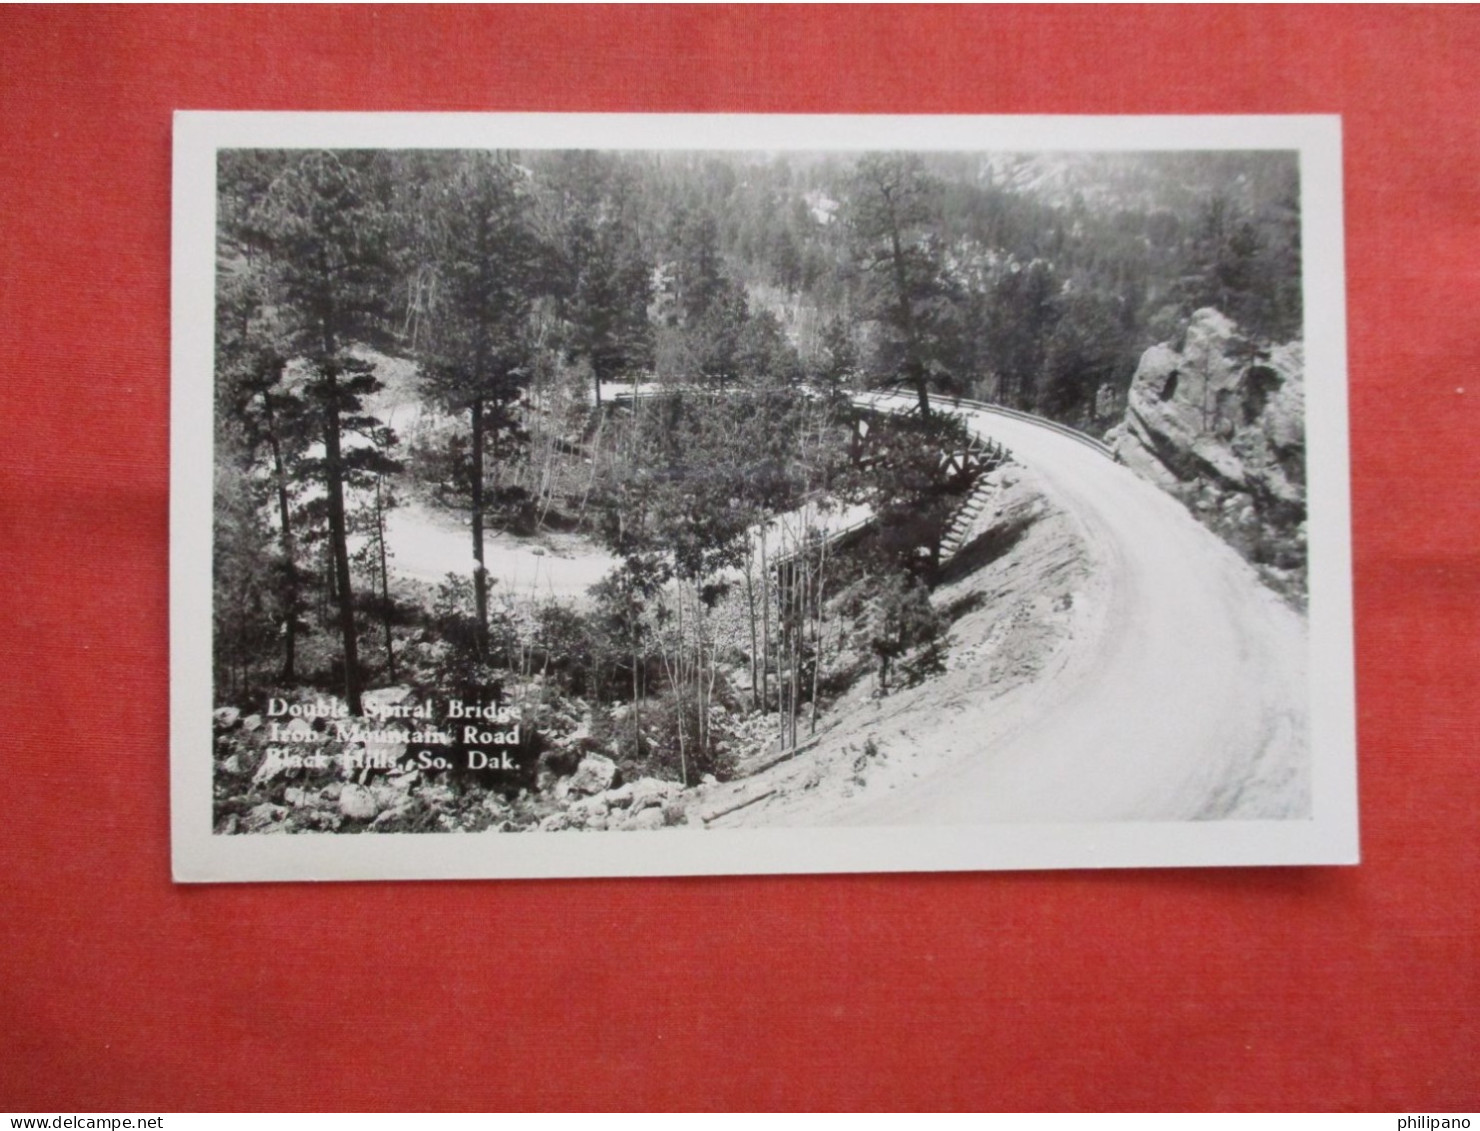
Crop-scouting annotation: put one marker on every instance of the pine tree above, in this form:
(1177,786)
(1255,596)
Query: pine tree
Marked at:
(478,354)
(893,208)
(323,228)
(604,279)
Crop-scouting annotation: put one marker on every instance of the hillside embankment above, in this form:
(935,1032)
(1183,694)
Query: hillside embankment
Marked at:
(1120,663)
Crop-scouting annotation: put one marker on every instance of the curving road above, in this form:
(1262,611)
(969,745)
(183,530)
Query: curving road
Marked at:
(1185,697)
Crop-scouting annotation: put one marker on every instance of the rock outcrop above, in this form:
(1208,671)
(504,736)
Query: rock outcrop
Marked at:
(1220,424)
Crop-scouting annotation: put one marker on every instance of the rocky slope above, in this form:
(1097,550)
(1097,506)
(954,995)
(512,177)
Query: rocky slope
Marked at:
(1220,424)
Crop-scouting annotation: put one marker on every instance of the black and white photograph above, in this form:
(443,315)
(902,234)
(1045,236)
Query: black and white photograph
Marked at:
(603,495)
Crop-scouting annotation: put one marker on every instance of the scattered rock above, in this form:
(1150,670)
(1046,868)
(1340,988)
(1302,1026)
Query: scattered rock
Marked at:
(390,816)
(357,803)
(252,723)
(595,774)
(387,795)
(232,765)
(587,809)
(376,700)
(647,792)
(262,816)
(646,821)
(559,762)
(376,755)
(321,819)
(554,823)
(439,796)
(618,798)
(403,780)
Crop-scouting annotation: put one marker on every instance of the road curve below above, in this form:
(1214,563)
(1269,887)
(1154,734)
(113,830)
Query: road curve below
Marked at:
(1183,694)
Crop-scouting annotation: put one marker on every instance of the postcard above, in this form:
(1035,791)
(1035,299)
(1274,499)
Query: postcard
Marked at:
(639,495)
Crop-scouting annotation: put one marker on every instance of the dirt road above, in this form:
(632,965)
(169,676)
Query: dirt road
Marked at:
(1182,696)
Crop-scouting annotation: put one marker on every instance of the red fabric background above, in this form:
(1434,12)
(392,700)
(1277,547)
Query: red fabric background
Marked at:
(1294,988)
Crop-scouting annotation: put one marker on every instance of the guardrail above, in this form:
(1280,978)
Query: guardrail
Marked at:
(1063,429)
(955,402)
(1014,414)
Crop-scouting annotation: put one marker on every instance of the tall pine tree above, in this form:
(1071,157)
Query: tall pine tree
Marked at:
(478,353)
(324,228)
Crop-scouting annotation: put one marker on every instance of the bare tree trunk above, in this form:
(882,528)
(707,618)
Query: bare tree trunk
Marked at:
(385,579)
(480,573)
(796,649)
(636,696)
(765,626)
(755,687)
(817,628)
(713,673)
(290,556)
(701,699)
(914,367)
(676,680)
(339,539)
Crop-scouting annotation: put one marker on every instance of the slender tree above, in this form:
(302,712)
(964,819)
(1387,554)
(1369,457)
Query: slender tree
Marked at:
(478,355)
(603,277)
(323,226)
(893,208)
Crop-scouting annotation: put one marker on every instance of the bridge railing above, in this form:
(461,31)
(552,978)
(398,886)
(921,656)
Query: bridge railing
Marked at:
(955,402)
(1063,429)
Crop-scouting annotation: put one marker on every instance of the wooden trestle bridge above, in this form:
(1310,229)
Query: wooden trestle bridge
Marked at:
(874,427)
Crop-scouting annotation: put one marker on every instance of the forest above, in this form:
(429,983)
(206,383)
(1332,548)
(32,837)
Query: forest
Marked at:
(655,356)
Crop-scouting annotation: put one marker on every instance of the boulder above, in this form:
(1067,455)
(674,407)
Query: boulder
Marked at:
(391,816)
(495,806)
(583,812)
(386,795)
(648,792)
(263,816)
(438,795)
(618,798)
(357,803)
(324,820)
(1220,424)
(382,697)
(595,774)
(224,718)
(298,730)
(648,820)
(580,732)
